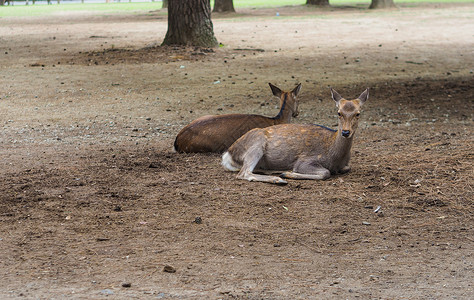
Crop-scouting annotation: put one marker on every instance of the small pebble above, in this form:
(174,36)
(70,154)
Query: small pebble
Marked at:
(126,284)
(169,269)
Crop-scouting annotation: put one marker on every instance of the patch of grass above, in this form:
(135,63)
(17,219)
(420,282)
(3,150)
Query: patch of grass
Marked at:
(143,7)
(44,10)
(278,3)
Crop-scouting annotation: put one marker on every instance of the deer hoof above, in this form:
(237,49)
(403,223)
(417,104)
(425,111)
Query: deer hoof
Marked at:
(280,181)
(344,170)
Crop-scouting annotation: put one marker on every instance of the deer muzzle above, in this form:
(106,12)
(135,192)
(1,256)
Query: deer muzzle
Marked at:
(346,133)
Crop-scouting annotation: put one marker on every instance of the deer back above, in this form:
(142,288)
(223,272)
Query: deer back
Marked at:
(216,133)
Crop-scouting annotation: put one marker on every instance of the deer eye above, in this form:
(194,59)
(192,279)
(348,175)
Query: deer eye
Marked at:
(339,114)
(358,115)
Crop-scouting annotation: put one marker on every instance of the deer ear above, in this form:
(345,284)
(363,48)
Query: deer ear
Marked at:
(335,96)
(276,91)
(364,96)
(296,90)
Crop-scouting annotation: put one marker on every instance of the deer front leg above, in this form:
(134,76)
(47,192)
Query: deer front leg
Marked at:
(303,170)
(317,175)
(262,178)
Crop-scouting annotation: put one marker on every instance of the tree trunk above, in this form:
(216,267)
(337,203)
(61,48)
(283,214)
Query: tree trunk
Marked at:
(223,6)
(318,2)
(189,24)
(2,2)
(382,4)
(165,4)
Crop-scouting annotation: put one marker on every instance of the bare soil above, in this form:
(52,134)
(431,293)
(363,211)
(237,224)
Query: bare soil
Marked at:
(94,204)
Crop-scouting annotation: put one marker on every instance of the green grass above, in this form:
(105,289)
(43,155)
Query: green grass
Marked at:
(42,10)
(277,3)
(125,7)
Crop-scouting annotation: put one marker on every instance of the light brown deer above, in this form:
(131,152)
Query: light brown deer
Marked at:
(216,133)
(299,151)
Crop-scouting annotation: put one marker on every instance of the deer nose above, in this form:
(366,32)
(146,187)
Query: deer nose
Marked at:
(346,133)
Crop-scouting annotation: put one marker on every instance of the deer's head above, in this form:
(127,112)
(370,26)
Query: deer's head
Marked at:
(288,100)
(349,112)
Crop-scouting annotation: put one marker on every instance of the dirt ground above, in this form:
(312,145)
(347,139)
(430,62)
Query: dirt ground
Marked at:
(94,204)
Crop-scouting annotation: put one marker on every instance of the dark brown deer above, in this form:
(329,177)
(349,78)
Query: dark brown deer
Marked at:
(216,133)
(297,151)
